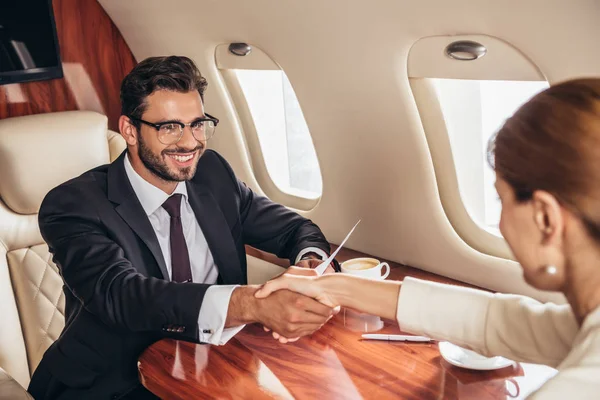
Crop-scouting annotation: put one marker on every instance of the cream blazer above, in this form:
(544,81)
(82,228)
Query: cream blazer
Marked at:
(515,327)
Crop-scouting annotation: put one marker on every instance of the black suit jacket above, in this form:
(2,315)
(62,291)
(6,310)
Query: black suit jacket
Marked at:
(118,296)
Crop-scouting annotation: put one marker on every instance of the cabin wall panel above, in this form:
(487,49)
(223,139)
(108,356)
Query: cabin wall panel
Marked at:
(95,59)
(347,62)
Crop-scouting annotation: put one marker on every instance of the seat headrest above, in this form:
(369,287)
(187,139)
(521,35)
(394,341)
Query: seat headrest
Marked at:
(39,152)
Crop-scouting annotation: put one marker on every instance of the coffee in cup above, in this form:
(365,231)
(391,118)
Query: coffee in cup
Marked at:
(366,267)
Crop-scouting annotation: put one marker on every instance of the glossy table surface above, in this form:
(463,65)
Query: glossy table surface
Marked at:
(333,363)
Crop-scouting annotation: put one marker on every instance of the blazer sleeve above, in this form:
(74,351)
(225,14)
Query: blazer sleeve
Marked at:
(95,270)
(273,227)
(516,327)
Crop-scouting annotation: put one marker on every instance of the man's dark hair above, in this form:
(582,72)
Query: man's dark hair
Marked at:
(175,73)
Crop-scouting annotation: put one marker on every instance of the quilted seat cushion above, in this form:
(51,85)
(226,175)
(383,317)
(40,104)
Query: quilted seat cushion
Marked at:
(41,301)
(10,389)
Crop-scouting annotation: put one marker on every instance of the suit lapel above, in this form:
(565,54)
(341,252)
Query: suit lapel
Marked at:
(218,236)
(130,209)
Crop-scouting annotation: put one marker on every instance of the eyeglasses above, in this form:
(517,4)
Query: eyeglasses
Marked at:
(171,132)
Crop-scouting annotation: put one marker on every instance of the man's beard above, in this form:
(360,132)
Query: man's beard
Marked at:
(157,166)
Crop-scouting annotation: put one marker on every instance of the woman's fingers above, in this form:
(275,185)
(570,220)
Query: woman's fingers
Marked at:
(295,283)
(271,286)
(307,286)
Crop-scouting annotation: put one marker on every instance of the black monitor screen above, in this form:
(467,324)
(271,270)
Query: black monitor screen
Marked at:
(28,42)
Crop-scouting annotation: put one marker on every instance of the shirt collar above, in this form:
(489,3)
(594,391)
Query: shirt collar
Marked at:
(150,197)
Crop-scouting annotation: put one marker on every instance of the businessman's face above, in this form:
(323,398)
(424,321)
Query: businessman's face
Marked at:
(178,161)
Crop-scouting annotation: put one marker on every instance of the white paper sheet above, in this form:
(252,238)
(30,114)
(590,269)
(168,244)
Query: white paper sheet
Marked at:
(323,266)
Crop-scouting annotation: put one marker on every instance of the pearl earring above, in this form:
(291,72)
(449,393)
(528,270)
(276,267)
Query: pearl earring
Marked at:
(550,270)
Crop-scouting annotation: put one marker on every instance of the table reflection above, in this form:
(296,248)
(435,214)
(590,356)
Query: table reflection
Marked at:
(333,363)
(361,322)
(202,371)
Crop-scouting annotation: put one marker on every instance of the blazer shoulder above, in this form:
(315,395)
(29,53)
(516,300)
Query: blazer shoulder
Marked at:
(96,177)
(214,164)
(79,190)
(212,157)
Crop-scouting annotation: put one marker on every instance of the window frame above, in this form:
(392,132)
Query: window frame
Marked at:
(442,157)
(251,140)
(426,61)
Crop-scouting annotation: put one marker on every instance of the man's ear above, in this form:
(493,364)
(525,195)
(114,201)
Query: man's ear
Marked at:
(128,131)
(548,217)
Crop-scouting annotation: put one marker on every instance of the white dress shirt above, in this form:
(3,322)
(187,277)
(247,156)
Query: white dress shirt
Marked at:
(213,312)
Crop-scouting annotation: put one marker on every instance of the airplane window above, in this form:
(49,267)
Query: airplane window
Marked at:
(283,134)
(473,111)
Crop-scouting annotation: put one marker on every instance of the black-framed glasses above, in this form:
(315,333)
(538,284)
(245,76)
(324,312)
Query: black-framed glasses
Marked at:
(171,132)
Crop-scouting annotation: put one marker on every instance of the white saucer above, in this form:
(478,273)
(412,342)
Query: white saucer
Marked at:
(469,359)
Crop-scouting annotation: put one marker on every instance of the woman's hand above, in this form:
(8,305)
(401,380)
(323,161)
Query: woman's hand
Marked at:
(299,280)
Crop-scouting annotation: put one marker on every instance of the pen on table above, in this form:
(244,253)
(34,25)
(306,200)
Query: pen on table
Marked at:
(396,338)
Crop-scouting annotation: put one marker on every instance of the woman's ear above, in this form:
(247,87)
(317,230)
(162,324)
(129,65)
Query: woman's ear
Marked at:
(550,221)
(548,217)
(128,131)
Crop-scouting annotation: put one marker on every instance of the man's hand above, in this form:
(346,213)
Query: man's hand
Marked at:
(298,271)
(291,315)
(293,270)
(311,286)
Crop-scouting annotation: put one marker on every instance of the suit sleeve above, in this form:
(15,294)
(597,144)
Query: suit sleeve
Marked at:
(95,270)
(272,227)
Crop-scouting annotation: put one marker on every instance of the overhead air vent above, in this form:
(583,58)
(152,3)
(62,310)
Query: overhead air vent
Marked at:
(240,49)
(465,50)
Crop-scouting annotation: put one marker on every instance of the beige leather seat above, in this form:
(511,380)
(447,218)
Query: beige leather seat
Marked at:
(37,153)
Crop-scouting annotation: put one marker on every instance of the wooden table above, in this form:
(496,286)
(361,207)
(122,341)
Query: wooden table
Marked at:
(333,363)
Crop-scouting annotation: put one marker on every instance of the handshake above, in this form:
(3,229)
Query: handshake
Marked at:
(299,302)
(290,305)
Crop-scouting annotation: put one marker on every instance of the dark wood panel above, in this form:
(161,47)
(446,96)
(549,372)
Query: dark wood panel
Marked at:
(95,59)
(333,363)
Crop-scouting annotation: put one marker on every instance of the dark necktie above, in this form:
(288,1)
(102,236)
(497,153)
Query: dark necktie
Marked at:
(180,258)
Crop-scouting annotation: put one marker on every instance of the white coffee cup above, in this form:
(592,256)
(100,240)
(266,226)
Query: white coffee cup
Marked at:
(366,267)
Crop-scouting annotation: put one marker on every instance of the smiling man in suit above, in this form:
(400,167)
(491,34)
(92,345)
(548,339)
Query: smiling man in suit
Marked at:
(152,245)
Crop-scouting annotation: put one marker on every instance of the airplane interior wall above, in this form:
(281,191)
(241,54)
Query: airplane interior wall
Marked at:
(347,62)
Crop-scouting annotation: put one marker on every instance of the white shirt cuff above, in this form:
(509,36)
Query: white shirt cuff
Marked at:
(213,313)
(317,250)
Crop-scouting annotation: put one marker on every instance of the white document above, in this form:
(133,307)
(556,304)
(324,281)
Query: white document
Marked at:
(323,266)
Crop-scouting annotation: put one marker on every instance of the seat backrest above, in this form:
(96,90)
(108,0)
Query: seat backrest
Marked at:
(37,153)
